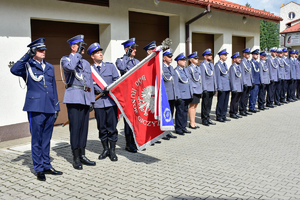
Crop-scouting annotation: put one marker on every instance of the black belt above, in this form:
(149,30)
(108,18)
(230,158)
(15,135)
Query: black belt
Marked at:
(84,88)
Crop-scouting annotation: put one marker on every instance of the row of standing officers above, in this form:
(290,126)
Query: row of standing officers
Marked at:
(248,81)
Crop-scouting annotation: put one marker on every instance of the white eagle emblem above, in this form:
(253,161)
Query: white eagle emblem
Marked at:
(146,104)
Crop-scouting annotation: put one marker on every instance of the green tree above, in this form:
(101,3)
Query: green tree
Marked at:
(248,5)
(269,35)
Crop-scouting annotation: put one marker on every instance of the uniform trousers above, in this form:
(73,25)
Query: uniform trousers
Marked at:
(181,115)
(277,92)
(206,106)
(262,96)
(284,90)
(107,119)
(294,89)
(290,87)
(244,99)
(234,102)
(298,88)
(253,97)
(270,93)
(41,128)
(222,104)
(79,123)
(172,106)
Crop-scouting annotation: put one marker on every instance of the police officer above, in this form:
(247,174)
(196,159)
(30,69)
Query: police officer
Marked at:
(79,96)
(196,82)
(289,79)
(186,91)
(265,81)
(124,64)
(223,86)
(281,77)
(295,62)
(209,87)
(236,83)
(41,104)
(247,82)
(149,47)
(106,111)
(273,65)
(171,84)
(256,80)
(294,76)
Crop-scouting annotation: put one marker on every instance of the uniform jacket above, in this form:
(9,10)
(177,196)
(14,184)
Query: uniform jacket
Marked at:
(296,64)
(281,68)
(125,63)
(77,72)
(171,82)
(109,74)
(209,80)
(235,76)
(264,72)
(41,95)
(184,84)
(255,72)
(273,68)
(246,72)
(222,76)
(287,68)
(196,78)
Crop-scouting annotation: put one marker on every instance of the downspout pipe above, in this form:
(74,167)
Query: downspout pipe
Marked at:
(187,28)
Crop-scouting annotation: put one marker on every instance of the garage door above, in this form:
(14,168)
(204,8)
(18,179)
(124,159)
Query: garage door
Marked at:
(146,28)
(201,42)
(238,44)
(56,35)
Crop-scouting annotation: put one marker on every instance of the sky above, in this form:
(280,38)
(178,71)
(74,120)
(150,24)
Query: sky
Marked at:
(272,6)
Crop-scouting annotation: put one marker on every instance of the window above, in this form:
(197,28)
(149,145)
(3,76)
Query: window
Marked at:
(291,15)
(92,2)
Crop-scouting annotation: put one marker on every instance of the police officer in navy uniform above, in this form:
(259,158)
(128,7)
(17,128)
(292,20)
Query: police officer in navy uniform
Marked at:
(106,111)
(288,68)
(293,85)
(209,87)
(247,82)
(256,80)
(41,104)
(223,86)
(295,63)
(281,77)
(171,84)
(196,78)
(79,97)
(265,81)
(236,84)
(273,65)
(149,47)
(186,92)
(124,64)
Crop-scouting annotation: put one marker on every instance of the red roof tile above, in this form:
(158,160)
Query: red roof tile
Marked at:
(227,6)
(289,23)
(294,28)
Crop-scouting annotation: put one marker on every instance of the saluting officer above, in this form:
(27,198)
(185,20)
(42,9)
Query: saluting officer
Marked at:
(223,86)
(289,79)
(236,83)
(265,81)
(79,97)
(106,111)
(281,77)
(256,80)
(41,104)
(196,81)
(171,84)
(209,87)
(186,92)
(124,64)
(247,82)
(296,64)
(272,63)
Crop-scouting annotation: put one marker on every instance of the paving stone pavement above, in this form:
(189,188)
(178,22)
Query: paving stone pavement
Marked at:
(256,157)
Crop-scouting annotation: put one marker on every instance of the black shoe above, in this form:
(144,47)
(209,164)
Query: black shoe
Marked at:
(283,102)
(221,120)
(290,100)
(166,138)
(195,127)
(76,160)
(179,132)
(295,99)
(226,119)
(278,104)
(105,151)
(239,116)
(233,116)
(205,123)
(52,171)
(253,111)
(243,114)
(158,142)
(41,176)
(112,151)
(248,113)
(130,148)
(211,123)
(266,108)
(186,131)
(260,108)
(256,110)
(270,106)
(84,160)
(130,145)
(170,135)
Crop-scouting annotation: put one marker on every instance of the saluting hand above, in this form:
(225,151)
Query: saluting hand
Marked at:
(31,52)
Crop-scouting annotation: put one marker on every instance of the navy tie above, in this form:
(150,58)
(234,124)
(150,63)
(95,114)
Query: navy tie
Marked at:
(99,68)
